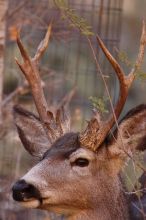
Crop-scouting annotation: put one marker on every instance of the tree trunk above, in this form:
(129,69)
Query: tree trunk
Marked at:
(3,9)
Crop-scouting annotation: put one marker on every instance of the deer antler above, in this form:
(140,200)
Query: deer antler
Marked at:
(31,73)
(96,130)
(57,123)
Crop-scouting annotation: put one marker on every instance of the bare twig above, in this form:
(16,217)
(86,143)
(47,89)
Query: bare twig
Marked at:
(22,89)
(67,98)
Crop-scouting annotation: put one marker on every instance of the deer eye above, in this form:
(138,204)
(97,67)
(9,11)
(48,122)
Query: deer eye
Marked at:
(81,162)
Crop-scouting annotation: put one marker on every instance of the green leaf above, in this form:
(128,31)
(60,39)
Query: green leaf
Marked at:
(74,19)
(99,104)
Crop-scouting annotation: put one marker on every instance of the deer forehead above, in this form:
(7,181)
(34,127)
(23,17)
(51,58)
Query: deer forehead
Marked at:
(68,147)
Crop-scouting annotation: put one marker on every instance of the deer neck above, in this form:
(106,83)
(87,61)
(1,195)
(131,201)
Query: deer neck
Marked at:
(101,214)
(113,206)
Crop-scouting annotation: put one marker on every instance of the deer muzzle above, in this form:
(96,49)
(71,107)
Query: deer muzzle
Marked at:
(25,192)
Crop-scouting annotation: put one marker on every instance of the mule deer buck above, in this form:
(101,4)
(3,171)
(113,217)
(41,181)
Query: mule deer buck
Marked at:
(78,173)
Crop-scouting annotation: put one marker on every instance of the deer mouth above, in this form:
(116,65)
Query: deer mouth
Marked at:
(31,203)
(35,202)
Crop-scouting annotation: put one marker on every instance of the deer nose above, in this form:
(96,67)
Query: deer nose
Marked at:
(23,191)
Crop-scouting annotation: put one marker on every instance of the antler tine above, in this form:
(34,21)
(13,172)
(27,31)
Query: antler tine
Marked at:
(95,133)
(124,84)
(31,72)
(62,111)
(43,44)
(140,56)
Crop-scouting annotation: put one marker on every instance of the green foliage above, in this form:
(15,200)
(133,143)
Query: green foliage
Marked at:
(124,59)
(99,103)
(61,3)
(75,20)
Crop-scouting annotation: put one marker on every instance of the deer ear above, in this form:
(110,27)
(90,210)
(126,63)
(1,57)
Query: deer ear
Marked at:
(31,132)
(132,131)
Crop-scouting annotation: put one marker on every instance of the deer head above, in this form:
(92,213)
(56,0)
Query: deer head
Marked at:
(78,173)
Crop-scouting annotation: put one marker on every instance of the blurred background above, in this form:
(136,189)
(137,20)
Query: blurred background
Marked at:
(67,62)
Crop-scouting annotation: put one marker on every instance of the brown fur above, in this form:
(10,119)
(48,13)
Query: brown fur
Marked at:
(82,193)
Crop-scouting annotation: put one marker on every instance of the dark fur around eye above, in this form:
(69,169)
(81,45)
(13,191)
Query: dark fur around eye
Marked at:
(81,162)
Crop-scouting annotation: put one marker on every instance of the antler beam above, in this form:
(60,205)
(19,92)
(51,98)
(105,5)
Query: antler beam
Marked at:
(31,72)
